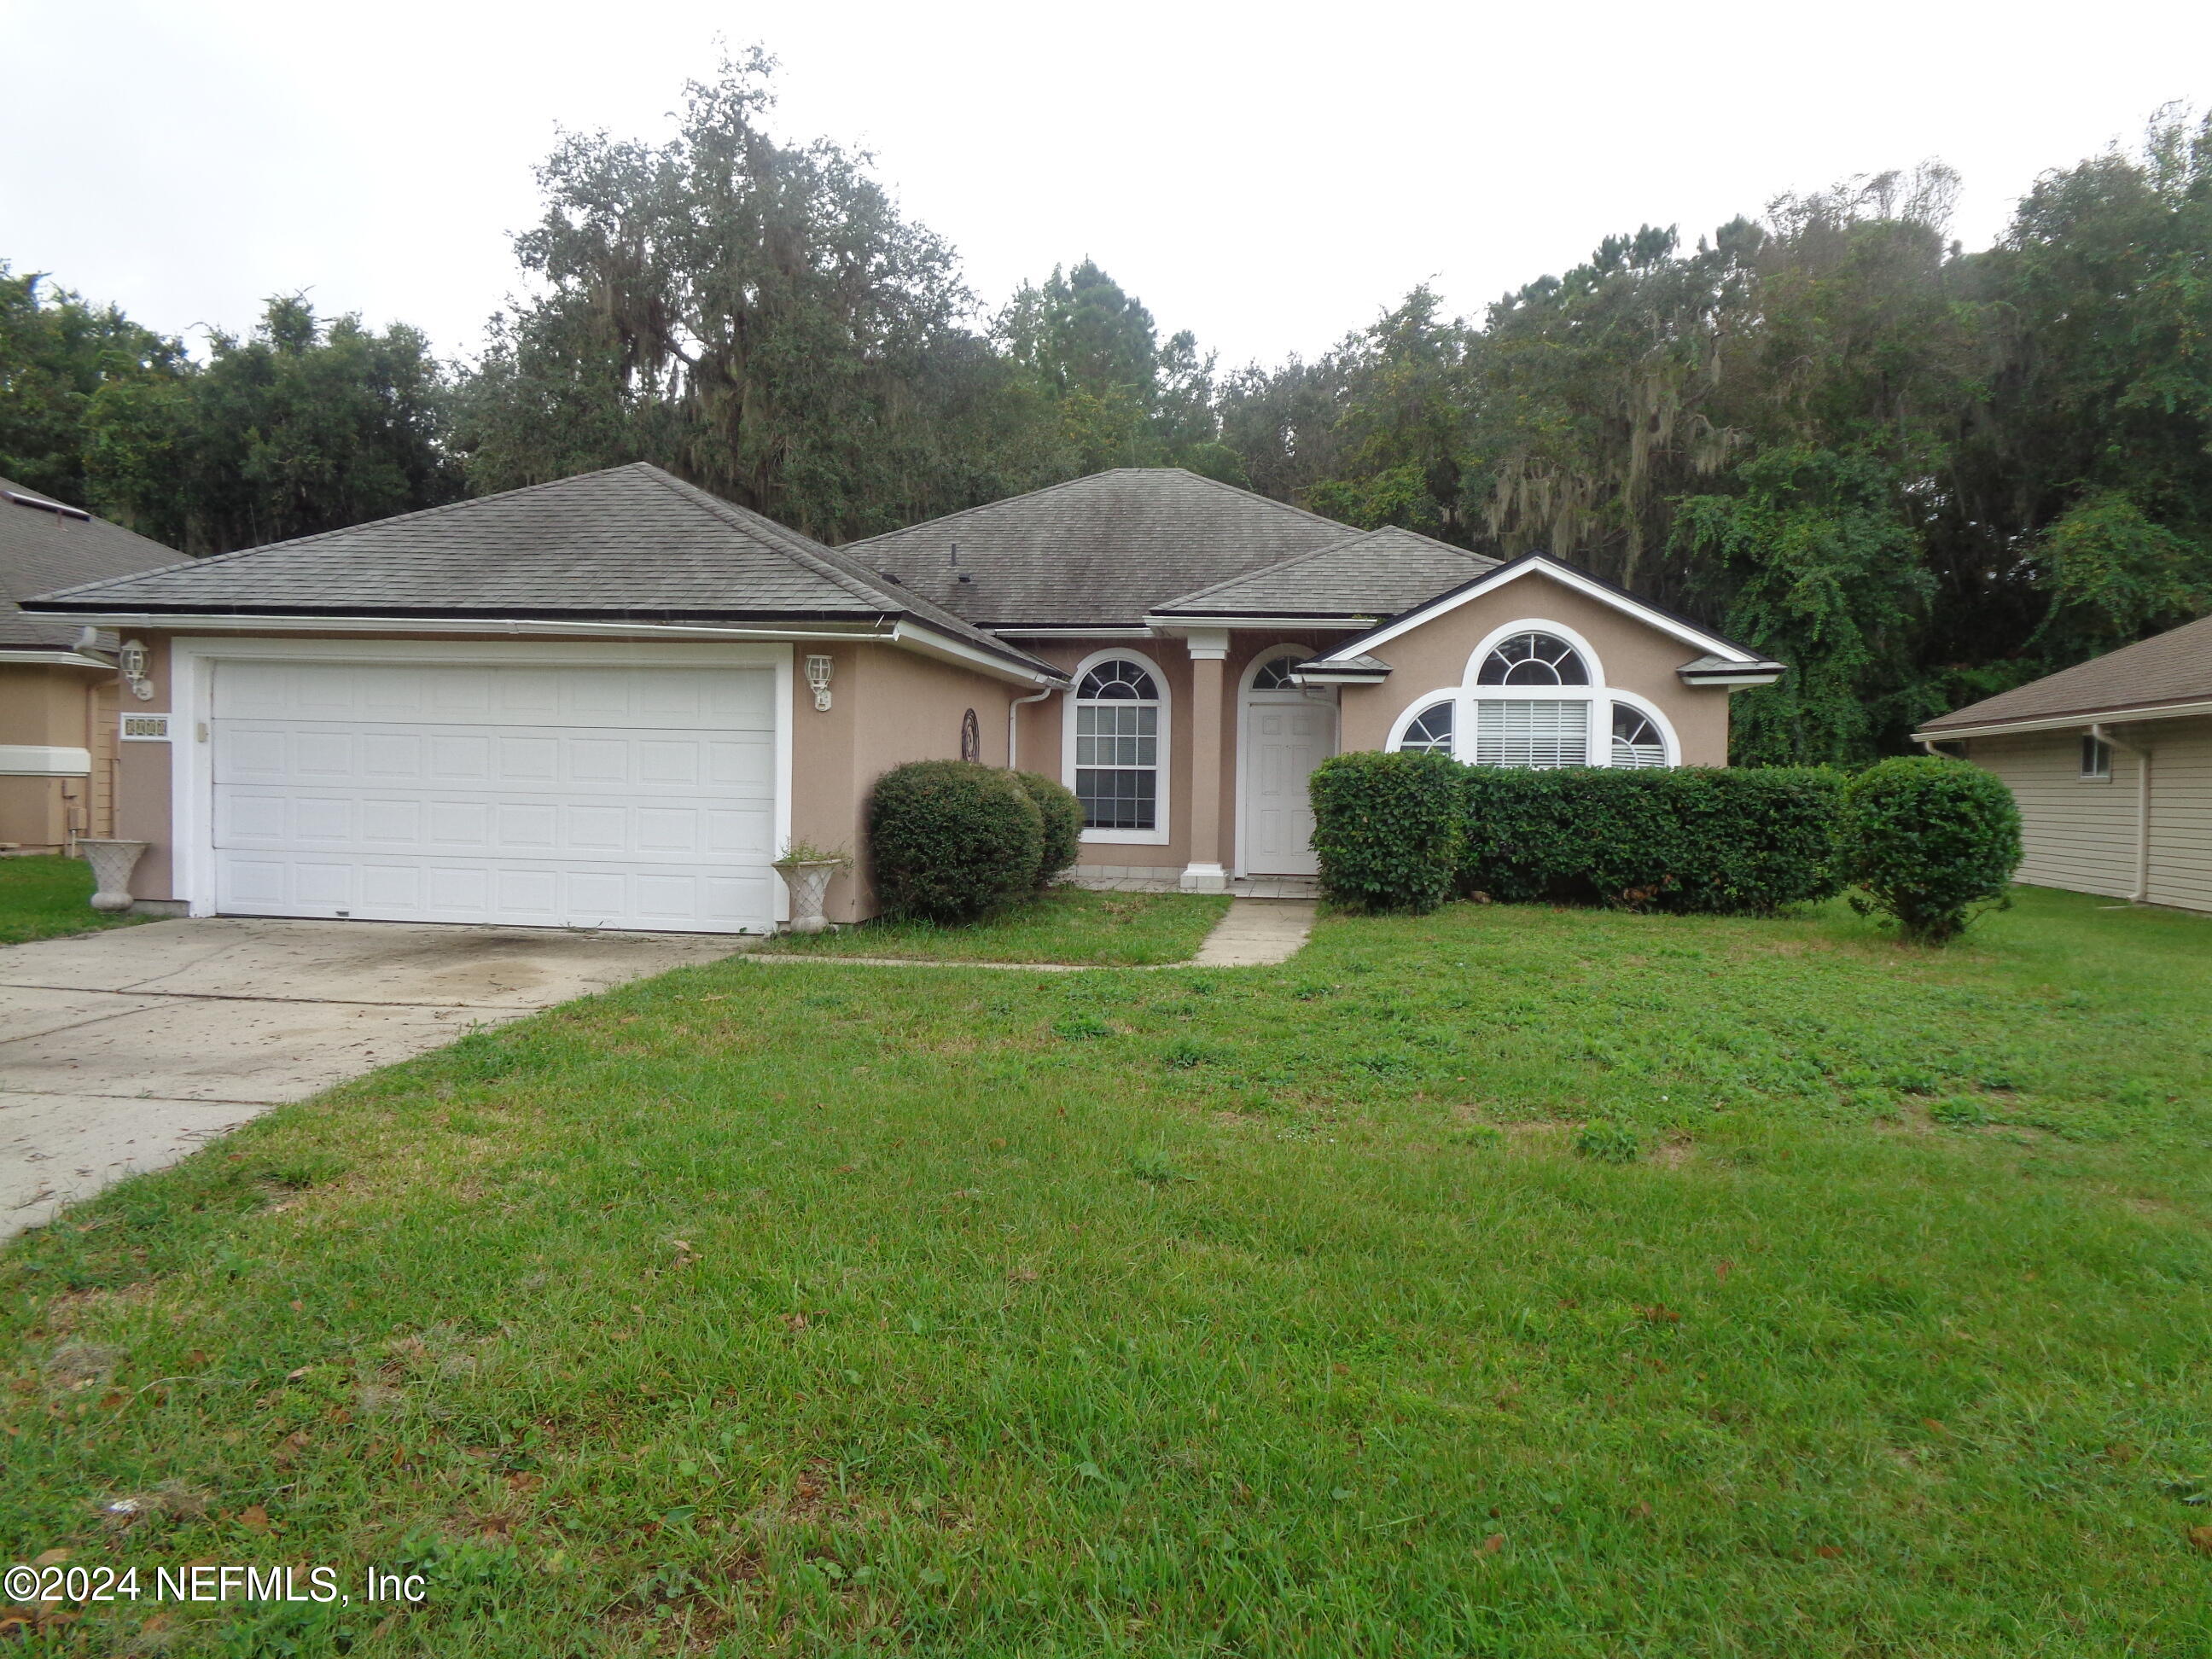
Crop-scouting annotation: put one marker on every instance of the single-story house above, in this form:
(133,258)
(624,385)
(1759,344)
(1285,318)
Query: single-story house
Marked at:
(610,701)
(2110,762)
(59,709)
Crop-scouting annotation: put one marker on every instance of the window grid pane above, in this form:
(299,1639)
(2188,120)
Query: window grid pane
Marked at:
(1122,798)
(1636,741)
(1531,733)
(1117,738)
(1431,732)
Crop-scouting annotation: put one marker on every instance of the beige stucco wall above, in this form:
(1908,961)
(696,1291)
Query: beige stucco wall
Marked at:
(2085,835)
(1041,745)
(887,707)
(1632,655)
(51,706)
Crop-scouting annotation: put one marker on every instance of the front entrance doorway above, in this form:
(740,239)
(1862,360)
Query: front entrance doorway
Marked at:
(1285,734)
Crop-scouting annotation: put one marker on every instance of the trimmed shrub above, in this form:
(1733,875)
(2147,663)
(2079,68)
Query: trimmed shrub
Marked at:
(1930,841)
(1713,840)
(953,841)
(1063,822)
(1387,828)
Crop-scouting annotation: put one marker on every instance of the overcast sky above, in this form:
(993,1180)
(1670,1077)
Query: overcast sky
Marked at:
(1267,175)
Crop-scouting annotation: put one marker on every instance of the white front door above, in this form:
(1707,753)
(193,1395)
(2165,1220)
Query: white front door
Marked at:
(540,795)
(1286,735)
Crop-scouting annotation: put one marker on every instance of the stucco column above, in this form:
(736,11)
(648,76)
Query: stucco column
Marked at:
(1209,647)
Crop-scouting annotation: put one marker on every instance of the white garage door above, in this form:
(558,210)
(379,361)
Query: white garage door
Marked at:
(615,797)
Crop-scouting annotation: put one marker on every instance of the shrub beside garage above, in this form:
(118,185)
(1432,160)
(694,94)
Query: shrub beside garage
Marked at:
(953,841)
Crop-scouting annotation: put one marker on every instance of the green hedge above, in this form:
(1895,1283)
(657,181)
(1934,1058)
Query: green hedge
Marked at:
(1402,832)
(1063,822)
(1693,838)
(1929,840)
(953,841)
(1387,828)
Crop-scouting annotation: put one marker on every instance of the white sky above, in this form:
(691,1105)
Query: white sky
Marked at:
(1269,175)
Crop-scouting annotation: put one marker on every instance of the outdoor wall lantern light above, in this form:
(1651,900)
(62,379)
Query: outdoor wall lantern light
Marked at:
(131,659)
(817,676)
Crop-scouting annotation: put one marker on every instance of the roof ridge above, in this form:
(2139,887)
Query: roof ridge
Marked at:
(1483,563)
(830,564)
(695,495)
(1103,472)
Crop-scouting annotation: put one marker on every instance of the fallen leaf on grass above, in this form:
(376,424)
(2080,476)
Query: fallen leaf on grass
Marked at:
(253,1518)
(2200,1539)
(1659,1314)
(1494,1543)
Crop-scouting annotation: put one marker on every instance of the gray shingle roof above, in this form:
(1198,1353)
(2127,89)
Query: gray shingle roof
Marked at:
(1097,551)
(41,550)
(629,544)
(2175,666)
(1374,573)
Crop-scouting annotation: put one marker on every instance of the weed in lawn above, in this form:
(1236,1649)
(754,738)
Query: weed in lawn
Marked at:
(1609,1142)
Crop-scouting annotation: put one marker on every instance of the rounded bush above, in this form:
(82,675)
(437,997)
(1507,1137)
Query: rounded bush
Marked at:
(1063,822)
(1929,841)
(1387,828)
(953,841)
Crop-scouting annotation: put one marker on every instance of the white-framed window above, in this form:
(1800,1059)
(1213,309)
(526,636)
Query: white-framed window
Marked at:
(1636,739)
(1274,674)
(1535,694)
(1116,748)
(1430,732)
(2096,760)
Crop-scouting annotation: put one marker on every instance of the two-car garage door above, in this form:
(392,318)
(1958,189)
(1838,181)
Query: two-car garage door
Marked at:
(536,795)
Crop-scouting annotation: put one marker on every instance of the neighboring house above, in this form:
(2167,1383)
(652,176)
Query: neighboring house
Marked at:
(59,689)
(2110,762)
(610,701)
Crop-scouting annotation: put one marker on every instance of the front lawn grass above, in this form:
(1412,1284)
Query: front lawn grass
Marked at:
(45,897)
(760,1310)
(1062,924)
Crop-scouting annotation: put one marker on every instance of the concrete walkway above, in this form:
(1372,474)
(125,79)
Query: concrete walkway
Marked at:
(123,1051)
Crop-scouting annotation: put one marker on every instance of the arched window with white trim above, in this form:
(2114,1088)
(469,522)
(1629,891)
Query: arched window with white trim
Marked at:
(1532,658)
(1430,732)
(1535,694)
(1636,739)
(1116,761)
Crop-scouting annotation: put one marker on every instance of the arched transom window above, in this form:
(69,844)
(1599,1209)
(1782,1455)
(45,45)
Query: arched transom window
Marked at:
(1532,658)
(1117,747)
(1274,675)
(1535,695)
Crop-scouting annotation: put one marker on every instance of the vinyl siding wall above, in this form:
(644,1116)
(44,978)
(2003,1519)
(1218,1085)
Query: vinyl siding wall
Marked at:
(2082,835)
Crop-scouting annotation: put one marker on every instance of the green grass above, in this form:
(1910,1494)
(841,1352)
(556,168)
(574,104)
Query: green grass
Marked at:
(45,897)
(1063,924)
(756,1310)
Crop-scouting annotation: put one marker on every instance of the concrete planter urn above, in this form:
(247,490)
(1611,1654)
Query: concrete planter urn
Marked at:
(112,863)
(808,880)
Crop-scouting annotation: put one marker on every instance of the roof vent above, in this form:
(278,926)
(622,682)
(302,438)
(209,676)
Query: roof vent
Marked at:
(44,506)
(954,561)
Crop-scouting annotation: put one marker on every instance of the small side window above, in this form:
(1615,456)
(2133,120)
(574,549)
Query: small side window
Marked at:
(2096,760)
(1430,731)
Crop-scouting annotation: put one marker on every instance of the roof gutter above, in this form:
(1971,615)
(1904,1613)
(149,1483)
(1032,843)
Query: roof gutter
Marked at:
(2067,722)
(250,621)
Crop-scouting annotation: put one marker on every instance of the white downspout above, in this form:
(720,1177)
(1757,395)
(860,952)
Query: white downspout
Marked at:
(2096,729)
(1013,715)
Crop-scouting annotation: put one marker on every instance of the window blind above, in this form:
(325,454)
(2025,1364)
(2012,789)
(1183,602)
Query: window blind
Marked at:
(1531,732)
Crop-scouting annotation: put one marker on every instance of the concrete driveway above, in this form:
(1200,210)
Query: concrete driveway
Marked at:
(123,1051)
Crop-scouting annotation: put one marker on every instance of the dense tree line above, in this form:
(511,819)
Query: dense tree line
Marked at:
(1916,473)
